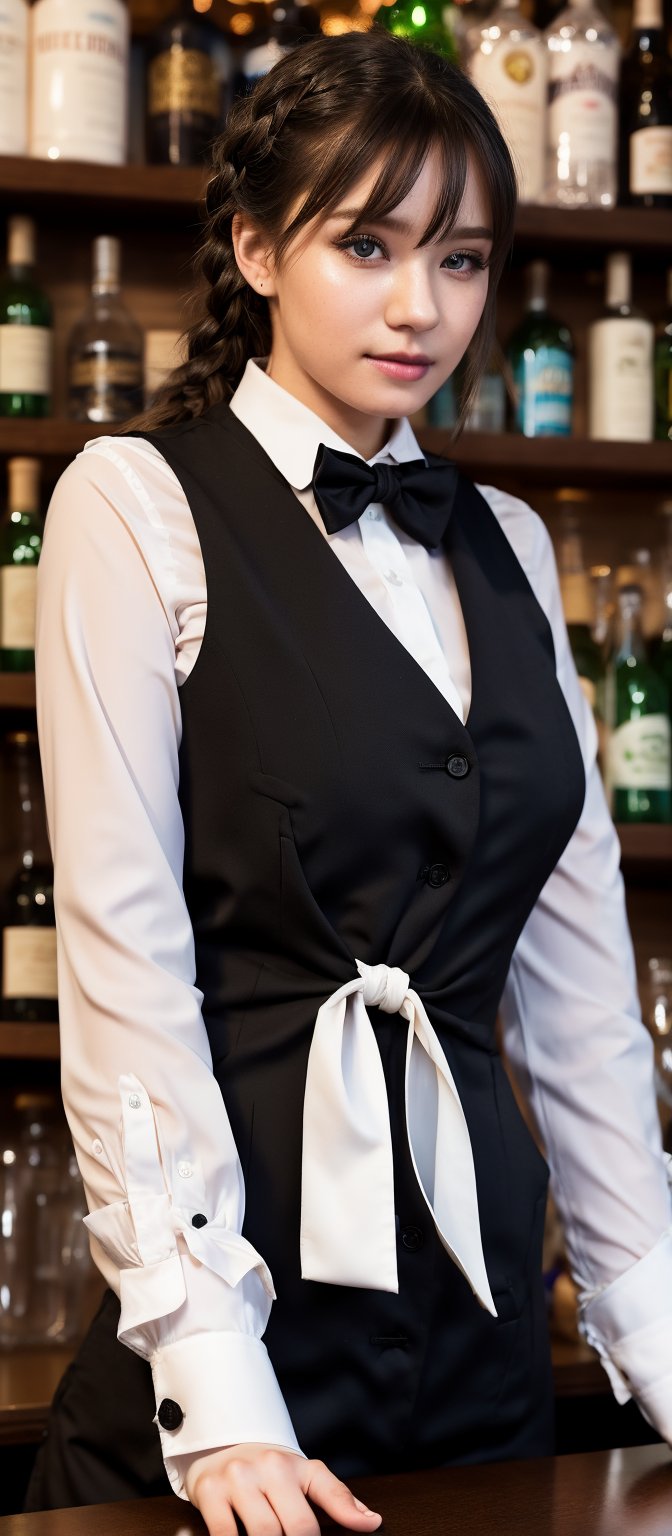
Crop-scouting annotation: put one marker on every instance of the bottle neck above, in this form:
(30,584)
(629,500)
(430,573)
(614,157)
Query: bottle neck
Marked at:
(618,282)
(647,16)
(629,637)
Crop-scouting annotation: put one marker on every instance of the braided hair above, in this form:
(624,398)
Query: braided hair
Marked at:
(323,116)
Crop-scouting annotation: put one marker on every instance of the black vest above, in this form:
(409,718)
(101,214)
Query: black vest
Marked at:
(336,807)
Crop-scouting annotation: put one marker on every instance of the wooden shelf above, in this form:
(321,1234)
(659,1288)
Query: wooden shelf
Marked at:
(24,1042)
(646,849)
(486,455)
(17,690)
(633,228)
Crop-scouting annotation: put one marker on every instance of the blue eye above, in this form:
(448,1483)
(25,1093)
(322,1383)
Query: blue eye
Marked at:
(360,241)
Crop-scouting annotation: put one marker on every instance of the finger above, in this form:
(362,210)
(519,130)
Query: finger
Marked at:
(335,1497)
(218,1515)
(257,1515)
(292,1508)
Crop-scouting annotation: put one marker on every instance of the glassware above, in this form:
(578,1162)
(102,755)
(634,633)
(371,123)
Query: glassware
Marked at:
(105,347)
(620,362)
(646,111)
(189,67)
(638,766)
(20,548)
(582,136)
(28,987)
(431,23)
(26,336)
(541,357)
(508,61)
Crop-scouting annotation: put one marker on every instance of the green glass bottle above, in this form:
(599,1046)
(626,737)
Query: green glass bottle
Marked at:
(541,357)
(662,370)
(431,23)
(20,548)
(639,756)
(25,329)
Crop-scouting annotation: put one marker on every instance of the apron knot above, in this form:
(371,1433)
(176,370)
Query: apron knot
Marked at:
(385,986)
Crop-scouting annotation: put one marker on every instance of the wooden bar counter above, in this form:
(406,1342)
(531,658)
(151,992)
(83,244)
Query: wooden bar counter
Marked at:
(601,1493)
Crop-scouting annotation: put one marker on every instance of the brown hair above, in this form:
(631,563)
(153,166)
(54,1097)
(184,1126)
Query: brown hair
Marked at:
(322,116)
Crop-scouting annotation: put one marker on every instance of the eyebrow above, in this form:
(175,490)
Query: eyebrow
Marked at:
(400,226)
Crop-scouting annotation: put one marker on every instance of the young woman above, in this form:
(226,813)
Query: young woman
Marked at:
(323,797)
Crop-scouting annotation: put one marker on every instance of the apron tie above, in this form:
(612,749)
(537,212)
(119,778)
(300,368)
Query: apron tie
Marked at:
(348,1230)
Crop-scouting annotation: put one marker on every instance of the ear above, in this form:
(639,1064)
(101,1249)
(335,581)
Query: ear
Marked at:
(250,248)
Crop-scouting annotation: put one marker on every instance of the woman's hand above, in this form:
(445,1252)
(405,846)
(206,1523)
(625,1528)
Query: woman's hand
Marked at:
(268,1489)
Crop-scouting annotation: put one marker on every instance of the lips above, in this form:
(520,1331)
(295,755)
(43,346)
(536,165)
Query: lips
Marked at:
(415,360)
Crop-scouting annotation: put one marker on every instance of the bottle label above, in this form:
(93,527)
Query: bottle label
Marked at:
(544,386)
(513,81)
(29,962)
(651,160)
(183,80)
(79,95)
(13,78)
(25,359)
(640,754)
(620,365)
(583,102)
(18,589)
(99,371)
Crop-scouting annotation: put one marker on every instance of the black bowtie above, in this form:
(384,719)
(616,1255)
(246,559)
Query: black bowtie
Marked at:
(420,496)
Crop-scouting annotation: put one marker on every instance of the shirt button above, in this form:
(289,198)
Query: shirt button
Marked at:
(457,766)
(393,578)
(97,1147)
(412,1238)
(438,874)
(185,1170)
(170,1414)
(373,513)
(199,1220)
(135,1101)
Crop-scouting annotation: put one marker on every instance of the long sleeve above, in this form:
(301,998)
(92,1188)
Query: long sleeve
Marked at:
(574,1035)
(149,1125)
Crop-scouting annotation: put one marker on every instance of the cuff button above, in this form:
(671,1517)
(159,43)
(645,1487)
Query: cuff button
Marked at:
(170,1414)
(199,1220)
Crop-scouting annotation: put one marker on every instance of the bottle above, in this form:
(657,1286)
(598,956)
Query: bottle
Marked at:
(582,138)
(285,25)
(646,112)
(639,570)
(508,61)
(105,347)
(639,756)
(25,328)
(430,23)
(14,77)
(20,548)
(620,362)
(79,65)
(29,989)
(577,603)
(603,607)
(662,368)
(189,68)
(541,357)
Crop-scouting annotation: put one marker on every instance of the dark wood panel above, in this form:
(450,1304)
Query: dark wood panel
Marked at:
(17,690)
(26,1042)
(53,184)
(543,459)
(633,228)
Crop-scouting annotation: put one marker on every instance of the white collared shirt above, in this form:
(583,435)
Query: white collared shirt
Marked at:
(121,615)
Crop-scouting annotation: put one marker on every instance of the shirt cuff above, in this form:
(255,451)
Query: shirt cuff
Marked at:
(629,1323)
(228,1394)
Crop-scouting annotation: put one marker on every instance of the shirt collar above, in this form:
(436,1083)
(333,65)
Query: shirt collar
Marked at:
(290,433)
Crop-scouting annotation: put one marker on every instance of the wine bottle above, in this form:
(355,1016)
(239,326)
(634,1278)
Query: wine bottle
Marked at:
(508,61)
(14,77)
(541,357)
(662,368)
(105,347)
(286,24)
(189,70)
(620,362)
(429,23)
(646,112)
(20,548)
(29,989)
(577,603)
(582,135)
(639,753)
(79,66)
(25,328)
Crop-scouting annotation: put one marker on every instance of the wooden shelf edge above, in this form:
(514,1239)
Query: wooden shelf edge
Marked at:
(35,1042)
(646,844)
(486,454)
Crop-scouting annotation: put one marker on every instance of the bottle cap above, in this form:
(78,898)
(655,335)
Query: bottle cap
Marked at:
(107,261)
(23,476)
(20,241)
(618,279)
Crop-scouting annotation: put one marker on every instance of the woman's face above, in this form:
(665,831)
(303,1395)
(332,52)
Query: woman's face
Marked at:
(335,310)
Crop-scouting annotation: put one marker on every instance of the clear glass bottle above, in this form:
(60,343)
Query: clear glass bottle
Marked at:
(577,602)
(20,549)
(639,751)
(646,112)
(508,60)
(620,362)
(662,367)
(26,337)
(541,357)
(29,990)
(582,138)
(189,69)
(79,69)
(105,347)
(14,18)
(431,23)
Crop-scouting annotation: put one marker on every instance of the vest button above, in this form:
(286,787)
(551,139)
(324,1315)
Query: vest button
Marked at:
(170,1414)
(199,1220)
(438,874)
(457,766)
(412,1238)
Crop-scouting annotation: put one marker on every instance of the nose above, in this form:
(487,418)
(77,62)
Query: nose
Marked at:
(411,299)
